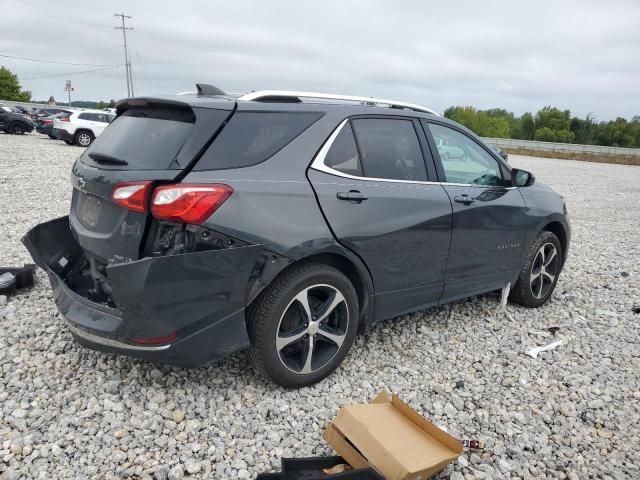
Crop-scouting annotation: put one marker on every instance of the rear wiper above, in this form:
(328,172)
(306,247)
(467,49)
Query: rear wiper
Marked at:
(102,158)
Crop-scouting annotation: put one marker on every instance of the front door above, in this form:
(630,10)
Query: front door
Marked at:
(378,202)
(489,217)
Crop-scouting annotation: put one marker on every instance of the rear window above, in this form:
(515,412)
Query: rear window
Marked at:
(147,139)
(252,137)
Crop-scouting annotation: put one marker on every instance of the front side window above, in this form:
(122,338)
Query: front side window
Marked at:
(343,154)
(390,149)
(104,117)
(463,160)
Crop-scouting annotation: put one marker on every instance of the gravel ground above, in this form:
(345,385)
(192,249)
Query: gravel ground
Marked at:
(67,412)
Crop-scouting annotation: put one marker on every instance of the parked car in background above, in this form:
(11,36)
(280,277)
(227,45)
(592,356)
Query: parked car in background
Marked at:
(46,112)
(449,150)
(287,222)
(81,127)
(44,125)
(13,122)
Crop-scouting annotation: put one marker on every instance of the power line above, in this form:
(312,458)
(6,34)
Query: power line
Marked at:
(139,60)
(72,73)
(54,61)
(60,16)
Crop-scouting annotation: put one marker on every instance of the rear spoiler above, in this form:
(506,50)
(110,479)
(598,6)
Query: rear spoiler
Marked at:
(141,102)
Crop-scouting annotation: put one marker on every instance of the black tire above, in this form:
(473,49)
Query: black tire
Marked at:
(278,305)
(17,128)
(534,286)
(52,137)
(83,138)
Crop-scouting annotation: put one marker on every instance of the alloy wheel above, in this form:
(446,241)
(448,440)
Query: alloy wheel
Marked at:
(312,329)
(544,270)
(84,139)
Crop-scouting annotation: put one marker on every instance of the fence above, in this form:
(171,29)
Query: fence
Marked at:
(561,147)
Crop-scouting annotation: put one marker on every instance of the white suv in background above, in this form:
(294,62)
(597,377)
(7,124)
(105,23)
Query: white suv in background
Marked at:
(81,127)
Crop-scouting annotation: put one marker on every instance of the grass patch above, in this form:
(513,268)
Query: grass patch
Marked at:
(582,156)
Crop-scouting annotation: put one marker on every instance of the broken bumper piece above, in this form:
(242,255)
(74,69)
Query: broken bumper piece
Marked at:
(185,310)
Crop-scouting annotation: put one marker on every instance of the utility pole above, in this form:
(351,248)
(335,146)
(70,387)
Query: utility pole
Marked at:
(127,61)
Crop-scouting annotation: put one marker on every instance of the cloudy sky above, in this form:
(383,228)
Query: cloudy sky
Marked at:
(521,55)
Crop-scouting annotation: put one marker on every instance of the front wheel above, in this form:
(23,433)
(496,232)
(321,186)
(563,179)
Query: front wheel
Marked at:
(540,272)
(303,325)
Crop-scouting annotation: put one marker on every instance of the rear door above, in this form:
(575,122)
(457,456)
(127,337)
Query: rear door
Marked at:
(489,217)
(152,142)
(374,189)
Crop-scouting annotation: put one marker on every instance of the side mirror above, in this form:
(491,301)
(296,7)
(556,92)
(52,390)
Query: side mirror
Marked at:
(522,178)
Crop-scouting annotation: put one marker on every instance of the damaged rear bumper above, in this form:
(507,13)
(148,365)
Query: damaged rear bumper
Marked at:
(195,300)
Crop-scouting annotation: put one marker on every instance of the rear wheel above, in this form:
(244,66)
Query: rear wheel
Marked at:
(17,128)
(303,325)
(540,272)
(83,138)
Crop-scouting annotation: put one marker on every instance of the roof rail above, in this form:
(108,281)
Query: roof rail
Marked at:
(283,95)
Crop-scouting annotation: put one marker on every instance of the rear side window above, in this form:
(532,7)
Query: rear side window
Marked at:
(86,116)
(147,139)
(343,154)
(252,137)
(390,149)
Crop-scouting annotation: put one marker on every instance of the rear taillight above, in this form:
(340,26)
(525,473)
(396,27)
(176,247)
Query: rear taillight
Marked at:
(188,203)
(47,122)
(133,196)
(64,119)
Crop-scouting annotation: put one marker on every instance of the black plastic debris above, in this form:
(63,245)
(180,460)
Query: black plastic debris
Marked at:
(636,309)
(311,468)
(15,278)
(460,384)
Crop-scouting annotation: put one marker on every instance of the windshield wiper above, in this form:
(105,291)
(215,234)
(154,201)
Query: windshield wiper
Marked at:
(102,158)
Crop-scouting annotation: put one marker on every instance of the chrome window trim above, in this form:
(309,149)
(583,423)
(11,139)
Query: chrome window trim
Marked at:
(108,342)
(319,165)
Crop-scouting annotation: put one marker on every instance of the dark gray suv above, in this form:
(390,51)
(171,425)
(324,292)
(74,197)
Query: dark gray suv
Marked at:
(287,222)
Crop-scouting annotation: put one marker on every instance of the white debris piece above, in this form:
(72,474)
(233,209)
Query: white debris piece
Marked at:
(535,351)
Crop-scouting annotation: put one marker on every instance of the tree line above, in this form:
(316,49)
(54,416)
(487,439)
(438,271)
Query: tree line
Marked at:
(549,124)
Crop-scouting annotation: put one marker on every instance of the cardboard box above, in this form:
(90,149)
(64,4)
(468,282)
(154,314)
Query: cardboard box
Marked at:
(391,437)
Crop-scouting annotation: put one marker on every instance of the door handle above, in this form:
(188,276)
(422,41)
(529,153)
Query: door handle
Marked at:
(466,199)
(354,196)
